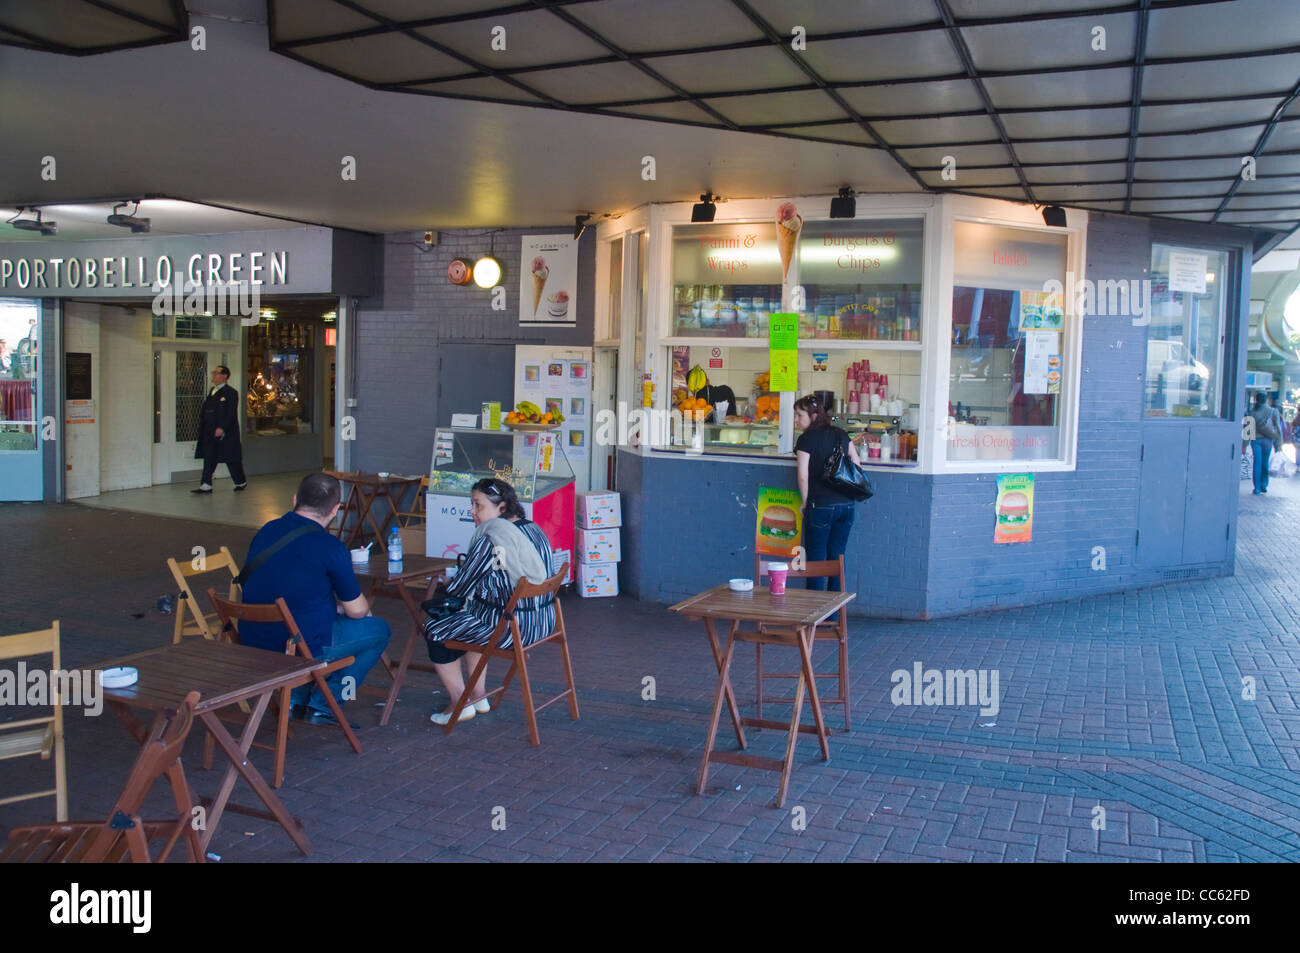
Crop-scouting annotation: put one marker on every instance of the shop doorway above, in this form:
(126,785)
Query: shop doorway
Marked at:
(604,393)
(182,376)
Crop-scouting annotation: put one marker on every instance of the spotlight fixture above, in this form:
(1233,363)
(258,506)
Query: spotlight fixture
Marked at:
(33,224)
(844,205)
(1054,215)
(329,316)
(580,225)
(705,208)
(131,221)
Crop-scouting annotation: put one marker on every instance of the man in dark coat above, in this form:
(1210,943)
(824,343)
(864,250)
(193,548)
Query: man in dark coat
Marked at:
(219,432)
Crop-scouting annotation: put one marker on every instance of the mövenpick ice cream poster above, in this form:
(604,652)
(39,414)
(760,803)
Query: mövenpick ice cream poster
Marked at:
(548,281)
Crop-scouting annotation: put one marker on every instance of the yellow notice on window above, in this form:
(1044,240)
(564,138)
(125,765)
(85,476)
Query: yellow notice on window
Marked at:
(783,351)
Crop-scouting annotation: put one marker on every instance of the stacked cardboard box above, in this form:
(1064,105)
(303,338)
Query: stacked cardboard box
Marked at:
(599,547)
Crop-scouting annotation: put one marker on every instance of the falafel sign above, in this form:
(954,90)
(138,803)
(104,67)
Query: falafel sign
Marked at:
(779,518)
(1014,508)
(548,281)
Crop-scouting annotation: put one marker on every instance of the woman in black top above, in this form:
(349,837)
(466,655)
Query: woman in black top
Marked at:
(827,513)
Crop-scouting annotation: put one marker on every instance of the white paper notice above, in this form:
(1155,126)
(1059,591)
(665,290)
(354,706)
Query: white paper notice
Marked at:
(1187,271)
(1039,348)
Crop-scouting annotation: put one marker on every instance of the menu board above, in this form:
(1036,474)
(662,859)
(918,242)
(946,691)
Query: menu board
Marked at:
(558,379)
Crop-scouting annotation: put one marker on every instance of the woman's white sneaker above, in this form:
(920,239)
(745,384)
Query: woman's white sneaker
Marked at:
(444,717)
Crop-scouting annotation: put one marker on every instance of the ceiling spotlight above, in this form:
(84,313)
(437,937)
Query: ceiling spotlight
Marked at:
(131,221)
(329,316)
(33,224)
(580,225)
(704,209)
(487,272)
(844,205)
(1054,215)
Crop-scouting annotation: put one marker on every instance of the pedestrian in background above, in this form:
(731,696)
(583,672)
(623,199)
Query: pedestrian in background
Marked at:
(219,433)
(1268,436)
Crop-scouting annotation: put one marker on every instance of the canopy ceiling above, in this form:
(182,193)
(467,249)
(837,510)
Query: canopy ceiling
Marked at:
(1146,107)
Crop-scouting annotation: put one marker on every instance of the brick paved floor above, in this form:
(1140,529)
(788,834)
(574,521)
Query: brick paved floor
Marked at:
(1131,702)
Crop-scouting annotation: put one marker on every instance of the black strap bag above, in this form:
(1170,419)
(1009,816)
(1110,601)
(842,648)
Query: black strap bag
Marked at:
(844,476)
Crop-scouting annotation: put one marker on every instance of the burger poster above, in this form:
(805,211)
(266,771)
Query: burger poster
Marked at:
(779,518)
(1014,508)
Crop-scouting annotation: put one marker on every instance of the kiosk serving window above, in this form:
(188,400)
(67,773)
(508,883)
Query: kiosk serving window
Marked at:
(861,279)
(726,280)
(1184,339)
(1005,377)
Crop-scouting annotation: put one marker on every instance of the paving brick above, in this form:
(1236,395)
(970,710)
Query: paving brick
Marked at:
(1126,700)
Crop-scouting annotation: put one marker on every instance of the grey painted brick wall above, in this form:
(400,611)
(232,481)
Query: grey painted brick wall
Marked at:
(398,333)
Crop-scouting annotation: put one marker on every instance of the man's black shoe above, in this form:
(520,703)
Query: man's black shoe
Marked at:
(327,719)
(201,490)
(241,486)
(298,712)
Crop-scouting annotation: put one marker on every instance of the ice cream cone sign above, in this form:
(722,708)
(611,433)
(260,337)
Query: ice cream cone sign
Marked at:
(788,224)
(540,274)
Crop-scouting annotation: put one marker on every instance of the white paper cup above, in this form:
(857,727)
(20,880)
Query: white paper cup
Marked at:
(361,556)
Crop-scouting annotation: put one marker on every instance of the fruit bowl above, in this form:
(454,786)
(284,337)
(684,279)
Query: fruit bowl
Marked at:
(533,428)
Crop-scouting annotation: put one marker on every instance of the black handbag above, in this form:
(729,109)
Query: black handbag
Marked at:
(844,476)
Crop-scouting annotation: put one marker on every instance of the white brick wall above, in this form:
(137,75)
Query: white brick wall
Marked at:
(125,420)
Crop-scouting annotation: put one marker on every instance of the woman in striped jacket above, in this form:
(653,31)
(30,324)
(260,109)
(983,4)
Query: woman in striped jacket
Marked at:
(506,546)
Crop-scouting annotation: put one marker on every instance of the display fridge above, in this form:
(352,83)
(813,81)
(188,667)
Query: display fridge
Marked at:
(533,463)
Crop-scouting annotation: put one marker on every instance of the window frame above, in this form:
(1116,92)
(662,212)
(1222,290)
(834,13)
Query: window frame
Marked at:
(1028,218)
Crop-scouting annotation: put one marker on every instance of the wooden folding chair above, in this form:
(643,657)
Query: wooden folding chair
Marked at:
(124,833)
(348,499)
(827,568)
(199,621)
(416,511)
(230,614)
(518,655)
(38,736)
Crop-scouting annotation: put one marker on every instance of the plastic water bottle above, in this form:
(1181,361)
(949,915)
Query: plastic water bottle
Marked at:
(394,551)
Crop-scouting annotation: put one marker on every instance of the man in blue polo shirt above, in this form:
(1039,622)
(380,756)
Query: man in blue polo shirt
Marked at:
(312,572)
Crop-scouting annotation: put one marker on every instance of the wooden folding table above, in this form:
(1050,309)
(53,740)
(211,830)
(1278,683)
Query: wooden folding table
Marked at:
(223,674)
(366,488)
(394,585)
(787,619)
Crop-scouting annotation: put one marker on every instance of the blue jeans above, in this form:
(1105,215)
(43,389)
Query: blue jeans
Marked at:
(365,639)
(825,536)
(1263,449)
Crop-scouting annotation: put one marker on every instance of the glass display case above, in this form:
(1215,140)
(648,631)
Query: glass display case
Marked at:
(743,439)
(463,456)
(533,463)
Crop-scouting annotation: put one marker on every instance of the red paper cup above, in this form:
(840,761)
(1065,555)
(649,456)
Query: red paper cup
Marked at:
(776,575)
